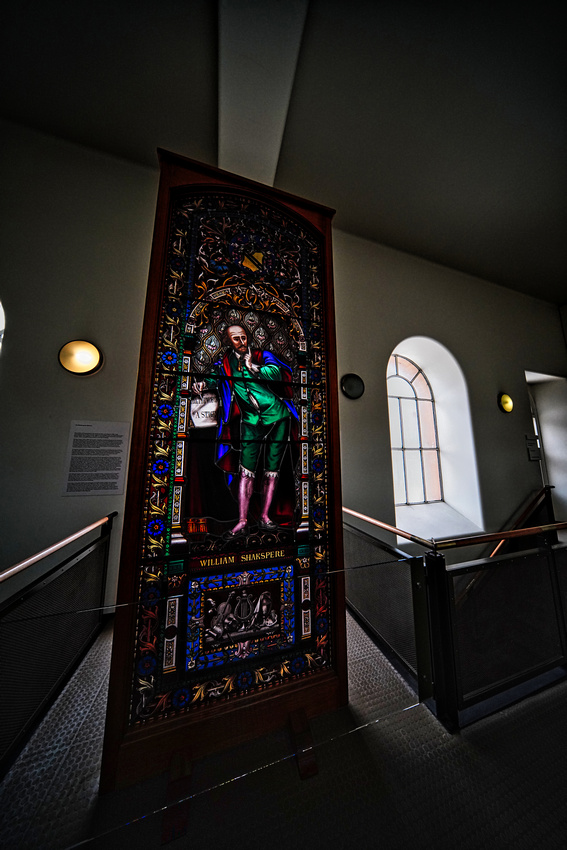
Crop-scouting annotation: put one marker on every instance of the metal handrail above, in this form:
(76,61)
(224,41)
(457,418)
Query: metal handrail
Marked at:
(530,508)
(27,562)
(420,540)
(465,539)
(487,537)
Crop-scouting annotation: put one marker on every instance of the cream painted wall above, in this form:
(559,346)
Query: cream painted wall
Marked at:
(383,296)
(75,243)
(76,237)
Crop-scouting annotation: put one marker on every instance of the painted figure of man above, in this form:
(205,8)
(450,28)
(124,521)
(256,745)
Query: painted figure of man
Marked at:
(252,387)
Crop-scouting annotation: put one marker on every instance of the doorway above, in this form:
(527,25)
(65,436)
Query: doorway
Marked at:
(548,399)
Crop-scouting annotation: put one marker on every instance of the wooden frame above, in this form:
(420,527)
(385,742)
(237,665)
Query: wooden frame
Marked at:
(133,752)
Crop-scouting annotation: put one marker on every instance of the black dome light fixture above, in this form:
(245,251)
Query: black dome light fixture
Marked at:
(352,385)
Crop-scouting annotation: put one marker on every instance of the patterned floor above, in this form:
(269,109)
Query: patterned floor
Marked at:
(390,777)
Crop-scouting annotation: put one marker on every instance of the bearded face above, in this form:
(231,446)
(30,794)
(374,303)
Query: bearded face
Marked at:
(238,338)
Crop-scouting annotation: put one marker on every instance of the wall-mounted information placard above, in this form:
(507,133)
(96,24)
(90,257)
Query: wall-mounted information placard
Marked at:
(232,546)
(95,462)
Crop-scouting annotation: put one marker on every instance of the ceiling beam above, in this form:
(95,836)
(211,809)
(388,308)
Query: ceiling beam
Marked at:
(259,43)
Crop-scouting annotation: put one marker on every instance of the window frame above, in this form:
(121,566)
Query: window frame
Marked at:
(395,408)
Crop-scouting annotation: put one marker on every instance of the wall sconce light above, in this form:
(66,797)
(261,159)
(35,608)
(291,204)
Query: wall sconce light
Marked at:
(80,357)
(505,403)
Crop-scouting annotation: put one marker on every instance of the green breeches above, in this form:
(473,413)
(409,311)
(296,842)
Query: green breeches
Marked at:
(273,437)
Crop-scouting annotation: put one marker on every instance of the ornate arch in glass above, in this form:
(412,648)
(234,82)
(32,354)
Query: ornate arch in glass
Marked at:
(414,438)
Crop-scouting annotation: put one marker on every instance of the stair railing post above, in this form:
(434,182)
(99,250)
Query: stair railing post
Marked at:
(442,643)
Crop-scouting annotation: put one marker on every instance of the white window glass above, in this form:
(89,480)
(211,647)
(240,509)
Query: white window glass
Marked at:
(406,369)
(421,387)
(391,370)
(432,476)
(414,477)
(399,388)
(427,423)
(395,423)
(399,477)
(410,425)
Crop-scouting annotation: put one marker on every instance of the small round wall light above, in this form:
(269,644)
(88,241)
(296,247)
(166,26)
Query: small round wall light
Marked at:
(505,403)
(352,385)
(80,357)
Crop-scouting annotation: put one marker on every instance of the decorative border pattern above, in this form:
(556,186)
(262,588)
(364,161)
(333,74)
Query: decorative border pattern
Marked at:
(215,242)
(197,657)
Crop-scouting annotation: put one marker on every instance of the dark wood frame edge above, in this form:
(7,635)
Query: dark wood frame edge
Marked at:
(176,172)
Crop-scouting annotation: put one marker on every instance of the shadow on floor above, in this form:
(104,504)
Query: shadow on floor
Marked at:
(389,777)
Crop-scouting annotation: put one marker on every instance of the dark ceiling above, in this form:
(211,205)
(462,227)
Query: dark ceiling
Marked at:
(438,129)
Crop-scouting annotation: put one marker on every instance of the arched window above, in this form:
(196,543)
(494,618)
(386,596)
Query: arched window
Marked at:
(413,432)
(436,490)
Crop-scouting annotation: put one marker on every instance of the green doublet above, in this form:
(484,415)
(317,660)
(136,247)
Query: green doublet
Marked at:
(258,404)
(264,417)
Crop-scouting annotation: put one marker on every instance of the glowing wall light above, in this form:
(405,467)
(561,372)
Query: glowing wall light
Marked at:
(505,403)
(80,357)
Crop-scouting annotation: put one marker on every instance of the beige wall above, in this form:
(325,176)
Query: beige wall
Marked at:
(76,237)
(383,296)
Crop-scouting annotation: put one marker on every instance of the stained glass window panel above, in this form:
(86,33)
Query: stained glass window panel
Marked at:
(217,503)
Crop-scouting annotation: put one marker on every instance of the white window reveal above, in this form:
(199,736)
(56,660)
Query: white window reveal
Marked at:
(435,477)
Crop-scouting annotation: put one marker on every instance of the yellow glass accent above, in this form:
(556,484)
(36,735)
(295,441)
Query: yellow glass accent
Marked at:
(253,261)
(80,357)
